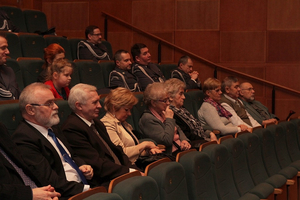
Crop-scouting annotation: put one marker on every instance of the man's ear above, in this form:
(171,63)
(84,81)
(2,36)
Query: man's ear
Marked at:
(89,36)
(78,105)
(227,89)
(30,109)
(137,58)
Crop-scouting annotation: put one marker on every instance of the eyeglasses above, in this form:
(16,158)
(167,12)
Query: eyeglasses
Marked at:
(249,89)
(164,100)
(49,104)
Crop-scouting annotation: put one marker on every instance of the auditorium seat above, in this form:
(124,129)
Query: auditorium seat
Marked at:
(35,20)
(109,48)
(107,66)
(17,70)
(32,45)
(64,110)
(16,16)
(73,45)
(62,41)
(292,140)
(75,76)
(95,194)
(134,186)
(170,178)
(193,101)
(10,114)
(14,45)
(31,69)
(198,174)
(167,69)
(137,111)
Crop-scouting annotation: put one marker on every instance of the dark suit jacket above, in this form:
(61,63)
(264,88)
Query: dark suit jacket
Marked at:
(90,148)
(41,156)
(186,78)
(9,82)
(123,78)
(11,184)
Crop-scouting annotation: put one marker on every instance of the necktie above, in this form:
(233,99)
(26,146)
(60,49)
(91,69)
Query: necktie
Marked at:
(27,181)
(67,157)
(112,154)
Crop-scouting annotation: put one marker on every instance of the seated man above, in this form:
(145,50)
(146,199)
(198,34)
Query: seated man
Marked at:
(145,71)
(88,137)
(186,74)
(229,100)
(121,76)
(256,109)
(17,181)
(92,48)
(8,86)
(44,147)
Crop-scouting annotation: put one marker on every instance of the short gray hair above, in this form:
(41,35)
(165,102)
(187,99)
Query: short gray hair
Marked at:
(173,85)
(78,94)
(154,91)
(227,82)
(27,95)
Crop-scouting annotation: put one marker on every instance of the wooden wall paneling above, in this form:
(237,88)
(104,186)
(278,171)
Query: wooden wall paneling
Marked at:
(246,15)
(283,15)
(197,15)
(205,44)
(283,46)
(10,3)
(243,46)
(204,71)
(69,18)
(155,15)
(120,40)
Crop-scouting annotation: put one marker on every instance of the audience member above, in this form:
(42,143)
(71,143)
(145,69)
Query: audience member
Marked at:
(118,104)
(212,114)
(184,119)
(52,53)
(44,147)
(145,71)
(256,109)
(229,100)
(92,48)
(157,121)
(186,74)
(121,76)
(17,180)
(88,136)
(60,78)
(8,86)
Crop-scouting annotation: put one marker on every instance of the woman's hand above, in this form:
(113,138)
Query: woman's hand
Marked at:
(168,113)
(185,145)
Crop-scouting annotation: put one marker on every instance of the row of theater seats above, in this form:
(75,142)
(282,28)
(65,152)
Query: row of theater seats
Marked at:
(259,165)
(27,71)
(10,115)
(32,45)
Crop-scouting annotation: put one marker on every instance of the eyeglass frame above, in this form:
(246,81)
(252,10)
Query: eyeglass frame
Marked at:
(49,104)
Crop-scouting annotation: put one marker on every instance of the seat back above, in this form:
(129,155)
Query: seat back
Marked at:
(95,194)
(297,124)
(64,110)
(32,45)
(16,16)
(292,140)
(109,48)
(170,178)
(62,41)
(75,76)
(10,115)
(193,101)
(133,186)
(167,69)
(16,67)
(73,45)
(223,177)
(107,66)
(14,45)
(31,68)
(137,111)
(199,176)
(90,73)
(35,20)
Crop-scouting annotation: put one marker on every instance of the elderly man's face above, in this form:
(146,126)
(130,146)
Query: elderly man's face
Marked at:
(46,111)
(187,67)
(144,58)
(3,50)
(234,90)
(90,110)
(125,62)
(247,92)
(96,36)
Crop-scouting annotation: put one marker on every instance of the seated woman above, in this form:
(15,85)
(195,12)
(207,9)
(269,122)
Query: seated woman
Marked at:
(212,113)
(157,121)
(184,119)
(118,104)
(59,78)
(52,53)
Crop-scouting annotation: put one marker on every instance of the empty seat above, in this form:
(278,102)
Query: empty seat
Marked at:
(167,69)
(31,68)
(292,140)
(193,101)
(14,45)
(16,67)
(170,178)
(10,115)
(64,110)
(137,111)
(73,45)
(35,20)
(16,16)
(62,41)
(95,194)
(106,66)
(32,45)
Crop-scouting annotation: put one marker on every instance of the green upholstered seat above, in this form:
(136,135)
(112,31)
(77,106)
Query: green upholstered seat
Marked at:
(17,70)
(10,116)
(31,68)
(35,20)
(15,14)
(14,45)
(32,45)
(62,41)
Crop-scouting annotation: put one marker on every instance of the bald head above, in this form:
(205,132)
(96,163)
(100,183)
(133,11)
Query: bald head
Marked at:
(247,92)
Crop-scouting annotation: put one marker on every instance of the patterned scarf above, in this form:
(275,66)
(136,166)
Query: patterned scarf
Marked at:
(221,110)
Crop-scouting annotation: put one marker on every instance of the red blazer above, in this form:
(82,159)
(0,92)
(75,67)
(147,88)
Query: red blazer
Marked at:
(54,91)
